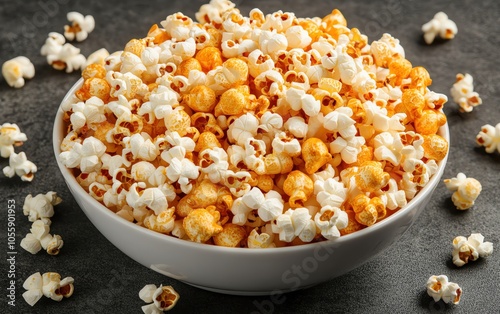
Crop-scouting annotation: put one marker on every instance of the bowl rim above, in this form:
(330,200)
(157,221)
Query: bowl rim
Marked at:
(58,136)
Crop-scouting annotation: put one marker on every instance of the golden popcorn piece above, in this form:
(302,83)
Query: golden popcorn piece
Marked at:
(158,35)
(230,236)
(201,99)
(209,58)
(232,103)
(278,163)
(413,103)
(429,121)
(368,210)
(187,66)
(201,224)
(420,79)
(435,147)
(371,177)
(399,69)
(315,154)
(352,225)
(299,187)
(178,121)
(203,194)
(136,46)
(94,86)
(206,140)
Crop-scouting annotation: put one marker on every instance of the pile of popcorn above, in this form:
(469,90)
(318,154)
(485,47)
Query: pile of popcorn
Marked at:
(254,131)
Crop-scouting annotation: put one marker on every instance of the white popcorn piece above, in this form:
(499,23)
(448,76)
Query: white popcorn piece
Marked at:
(258,63)
(97,57)
(40,206)
(348,148)
(214,163)
(87,155)
(293,223)
(113,61)
(272,207)
(237,182)
(81,26)
(20,165)
(10,136)
(297,127)
(270,83)
(340,121)
(162,298)
(463,93)
(330,192)
(439,25)
(240,211)
(141,147)
(33,286)
(253,199)
(489,137)
(39,238)
(178,26)
(260,241)
(388,146)
(55,288)
(254,155)
(16,70)
(439,288)
(183,171)
(271,42)
(284,143)
(89,113)
(151,198)
(131,63)
(466,190)
(128,84)
(270,122)
(53,44)
(330,220)
(297,37)
(62,56)
(243,128)
(392,196)
(470,249)
(298,99)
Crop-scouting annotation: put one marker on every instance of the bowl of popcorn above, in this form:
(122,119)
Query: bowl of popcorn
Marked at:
(252,154)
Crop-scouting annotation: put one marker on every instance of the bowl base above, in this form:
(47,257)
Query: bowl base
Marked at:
(247,293)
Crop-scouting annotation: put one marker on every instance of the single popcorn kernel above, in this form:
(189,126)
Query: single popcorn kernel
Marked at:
(201,99)
(315,154)
(230,236)
(435,147)
(489,137)
(466,190)
(201,224)
(299,187)
(209,58)
(439,288)
(470,249)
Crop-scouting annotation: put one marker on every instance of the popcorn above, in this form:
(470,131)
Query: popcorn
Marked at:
(238,128)
(48,284)
(16,70)
(86,156)
(466,190)
(10,136)
(81,26)
(41,206)
(293,223)
(463,93)
(39,238)
(330,220)
(201,224)
(439,288)
(471,248)
(97,57)
(489,137)
(162,298)
(62,56)
(440,25)
(19,165)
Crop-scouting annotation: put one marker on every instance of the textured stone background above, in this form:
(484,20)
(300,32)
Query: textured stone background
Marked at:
(107,281)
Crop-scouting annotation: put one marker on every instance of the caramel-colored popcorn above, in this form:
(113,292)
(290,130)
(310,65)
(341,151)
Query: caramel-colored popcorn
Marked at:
(237,129)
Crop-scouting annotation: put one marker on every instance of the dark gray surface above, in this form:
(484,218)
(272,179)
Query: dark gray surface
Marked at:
(107,281)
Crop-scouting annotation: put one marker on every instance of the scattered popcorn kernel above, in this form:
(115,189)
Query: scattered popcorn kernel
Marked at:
(80,26)
(19,165)
(440,26)
(489,137)
(162,298)
(470,249)
(466,190)
(463,93)
(49,285)
(10,136)
(16,70)
(39,238)
(62,56)
(41,206)
(439,288)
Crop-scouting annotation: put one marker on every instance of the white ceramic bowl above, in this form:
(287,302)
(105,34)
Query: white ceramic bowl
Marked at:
(245,271)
